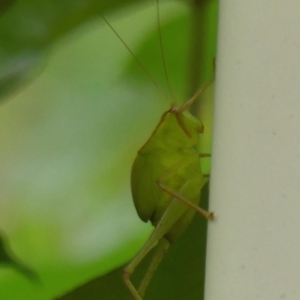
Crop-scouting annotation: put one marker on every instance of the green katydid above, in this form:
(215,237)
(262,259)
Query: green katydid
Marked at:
(166,181)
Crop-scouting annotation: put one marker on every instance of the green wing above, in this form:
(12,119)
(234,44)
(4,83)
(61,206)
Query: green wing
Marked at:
(149,199)
(144,189)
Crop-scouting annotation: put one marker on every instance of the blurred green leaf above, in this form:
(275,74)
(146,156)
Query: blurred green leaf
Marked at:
(28,28)
(7,258)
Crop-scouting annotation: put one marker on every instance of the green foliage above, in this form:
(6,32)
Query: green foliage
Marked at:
(29,27)
(7,259)
(68,140)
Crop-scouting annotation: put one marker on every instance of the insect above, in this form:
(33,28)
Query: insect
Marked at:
(166,183)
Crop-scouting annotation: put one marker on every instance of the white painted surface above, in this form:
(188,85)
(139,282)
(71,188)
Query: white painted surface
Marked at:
(254,244)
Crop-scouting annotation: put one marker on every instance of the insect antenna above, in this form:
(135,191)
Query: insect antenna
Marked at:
(163,53)
(159,89)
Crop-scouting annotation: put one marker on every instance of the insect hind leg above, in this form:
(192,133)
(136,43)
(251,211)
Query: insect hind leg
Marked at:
(161,249)
(171,215)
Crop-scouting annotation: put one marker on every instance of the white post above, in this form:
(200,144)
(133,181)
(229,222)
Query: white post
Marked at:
(254,244)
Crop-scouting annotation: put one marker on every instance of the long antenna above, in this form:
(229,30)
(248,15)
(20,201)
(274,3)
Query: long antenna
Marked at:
(162,52)
(137,60)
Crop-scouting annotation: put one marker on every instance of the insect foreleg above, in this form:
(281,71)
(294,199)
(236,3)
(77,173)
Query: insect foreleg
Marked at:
(187,104)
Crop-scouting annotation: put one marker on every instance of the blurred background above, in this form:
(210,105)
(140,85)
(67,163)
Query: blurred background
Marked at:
(67,142)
